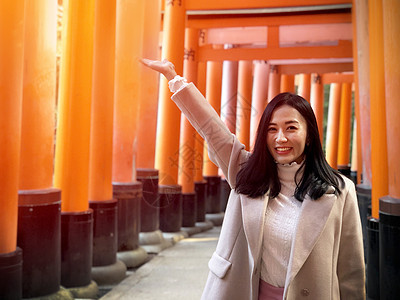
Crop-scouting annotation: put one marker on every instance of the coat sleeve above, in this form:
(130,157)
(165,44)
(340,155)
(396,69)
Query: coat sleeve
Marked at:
(225,150)
(351,267)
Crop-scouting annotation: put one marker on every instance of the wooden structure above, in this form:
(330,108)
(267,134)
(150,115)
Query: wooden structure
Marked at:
(287,45)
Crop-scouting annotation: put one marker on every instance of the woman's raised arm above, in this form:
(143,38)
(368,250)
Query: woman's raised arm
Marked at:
(224,148)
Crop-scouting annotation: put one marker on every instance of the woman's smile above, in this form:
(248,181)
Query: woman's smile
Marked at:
(283,150)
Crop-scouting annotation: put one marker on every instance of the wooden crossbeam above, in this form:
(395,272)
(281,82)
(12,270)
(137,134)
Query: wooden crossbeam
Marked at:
(342,50)
(204,22)
(240,4)
(320,68)
(328,78)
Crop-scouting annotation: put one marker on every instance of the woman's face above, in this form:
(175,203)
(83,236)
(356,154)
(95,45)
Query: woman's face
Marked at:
(287,134)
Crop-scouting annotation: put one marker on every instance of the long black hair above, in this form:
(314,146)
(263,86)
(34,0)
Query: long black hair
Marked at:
(259,173)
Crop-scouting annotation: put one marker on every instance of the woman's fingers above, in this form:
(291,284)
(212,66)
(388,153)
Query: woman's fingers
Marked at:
(148,62)
(165,67)
(156,65)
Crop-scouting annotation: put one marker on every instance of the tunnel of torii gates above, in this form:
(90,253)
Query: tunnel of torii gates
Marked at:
(96,160)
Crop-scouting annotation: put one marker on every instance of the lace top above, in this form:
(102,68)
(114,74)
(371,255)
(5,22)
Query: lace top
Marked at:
(280,225)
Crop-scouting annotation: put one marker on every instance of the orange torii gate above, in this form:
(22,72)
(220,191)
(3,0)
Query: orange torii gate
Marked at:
(270,33)
(286,60)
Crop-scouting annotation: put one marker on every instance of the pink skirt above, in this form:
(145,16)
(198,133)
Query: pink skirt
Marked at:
(269,292)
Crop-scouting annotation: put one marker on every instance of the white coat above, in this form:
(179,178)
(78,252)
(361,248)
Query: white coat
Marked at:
(326,259)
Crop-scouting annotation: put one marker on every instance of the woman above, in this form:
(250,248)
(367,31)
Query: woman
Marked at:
(292,228)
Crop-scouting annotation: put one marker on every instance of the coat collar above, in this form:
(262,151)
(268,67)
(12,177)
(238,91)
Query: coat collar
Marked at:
(313,217)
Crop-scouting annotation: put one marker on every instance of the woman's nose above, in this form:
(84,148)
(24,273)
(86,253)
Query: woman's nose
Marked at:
(281,138)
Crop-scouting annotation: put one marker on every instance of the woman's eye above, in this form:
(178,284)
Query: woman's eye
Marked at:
(271,129)
(292,128)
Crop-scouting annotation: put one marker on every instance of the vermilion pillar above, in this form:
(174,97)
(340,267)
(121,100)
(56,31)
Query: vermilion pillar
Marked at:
(317,101)
(187,139)
(343,159)
(200,183)
(259,97)
(12,40)
(362,93)
(356,170)
(199,142)
(39,95)
(287,83)
(167,145)
(274,83)
(391,41)
(101,147)
(147,122)
(229,94)
(305,86)
(105,229)
(11,66)
(389,215)
(354,154)
(37,198)
(72,144)
(127,87)
(186,155)
(73,128)
(168,126)
(332,131)
(210,170)
(147,126)
(243,113)
(129,34)
(213,96)
(363,87)
(379,162)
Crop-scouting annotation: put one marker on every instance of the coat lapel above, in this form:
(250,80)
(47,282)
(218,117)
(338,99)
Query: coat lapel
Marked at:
(253,212)
(312,220)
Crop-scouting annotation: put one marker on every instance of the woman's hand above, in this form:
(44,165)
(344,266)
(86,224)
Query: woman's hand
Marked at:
(165,67)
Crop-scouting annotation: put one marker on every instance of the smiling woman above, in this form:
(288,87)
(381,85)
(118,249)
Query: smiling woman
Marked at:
(292,224)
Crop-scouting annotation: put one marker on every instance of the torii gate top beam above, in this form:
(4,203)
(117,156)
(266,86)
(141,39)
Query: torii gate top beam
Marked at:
(254,4)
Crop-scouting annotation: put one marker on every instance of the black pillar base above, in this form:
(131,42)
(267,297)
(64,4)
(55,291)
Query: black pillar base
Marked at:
(128,196)
(353,177)
(200,188)
(389,247)
(11,275)
(170,208)
(364,200)
(76,248)
(105,232)
(345,170)
(213,200)
(225,192)
(149,206)
(189,210)
(39,235)
(373,259)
